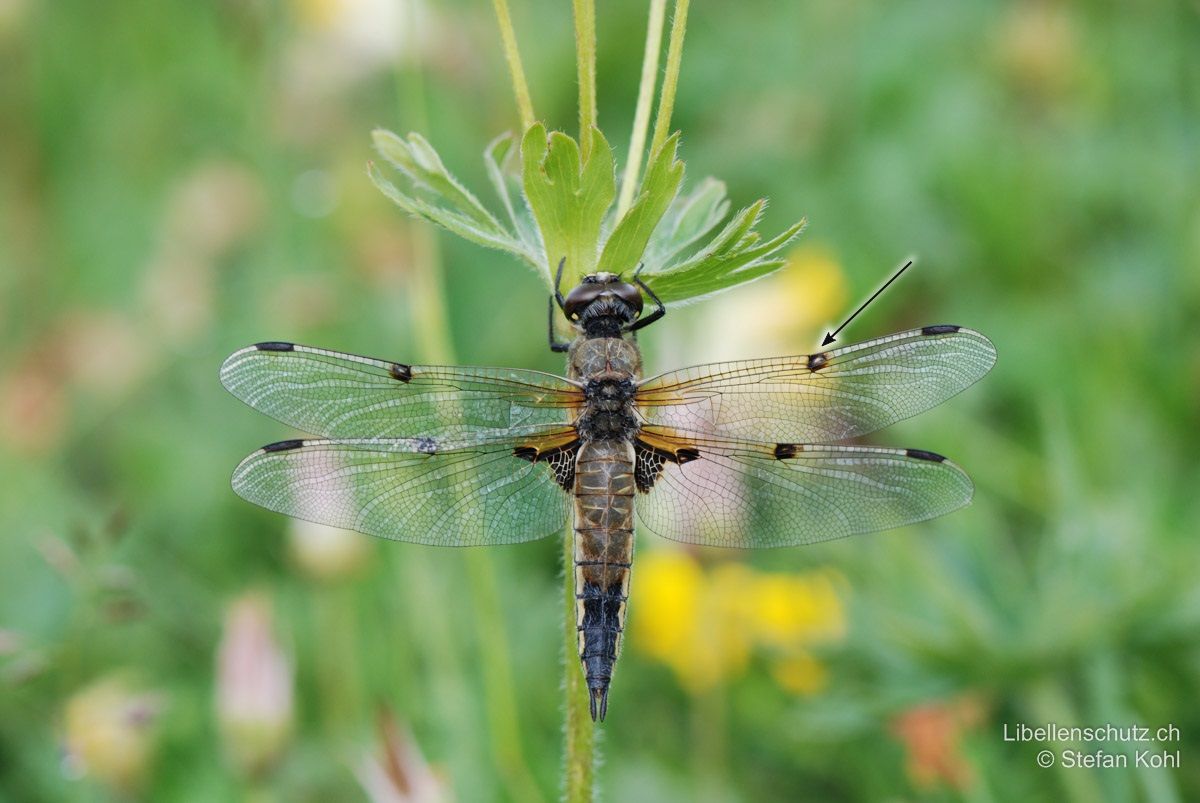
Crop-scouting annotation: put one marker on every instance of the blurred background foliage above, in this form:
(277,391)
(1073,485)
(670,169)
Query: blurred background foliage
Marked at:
(179,179)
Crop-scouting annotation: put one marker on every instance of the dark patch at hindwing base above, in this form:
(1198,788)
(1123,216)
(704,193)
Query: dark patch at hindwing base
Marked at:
(560,460)
(649,465)
(562,463)
(650,461)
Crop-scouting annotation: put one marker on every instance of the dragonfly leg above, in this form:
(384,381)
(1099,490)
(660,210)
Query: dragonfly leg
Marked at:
(558,296)
(556,345)
(659,308)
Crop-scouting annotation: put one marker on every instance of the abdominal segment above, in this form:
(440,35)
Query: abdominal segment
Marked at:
(604,490)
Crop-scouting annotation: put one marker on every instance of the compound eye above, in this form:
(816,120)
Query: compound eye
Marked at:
(578,300)
(630,294)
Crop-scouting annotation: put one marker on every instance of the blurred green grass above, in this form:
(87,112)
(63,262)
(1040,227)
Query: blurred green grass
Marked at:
(180,179)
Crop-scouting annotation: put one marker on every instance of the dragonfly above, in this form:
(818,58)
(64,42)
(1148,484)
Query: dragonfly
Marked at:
(745,454)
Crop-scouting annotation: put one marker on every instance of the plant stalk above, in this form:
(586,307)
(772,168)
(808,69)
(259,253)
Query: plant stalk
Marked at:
(579,749)
(585,60)
(641,117)
(666,101)
(515,70)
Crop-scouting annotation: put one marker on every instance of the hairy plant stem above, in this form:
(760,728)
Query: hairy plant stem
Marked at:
(666,101)
(585,60)
(641,117)
(579,761)
(579,748)
(513,57)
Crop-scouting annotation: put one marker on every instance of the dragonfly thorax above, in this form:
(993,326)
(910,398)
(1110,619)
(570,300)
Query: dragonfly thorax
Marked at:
(602,425)
(607,369)
(609,411)
(609,394)
(603,358)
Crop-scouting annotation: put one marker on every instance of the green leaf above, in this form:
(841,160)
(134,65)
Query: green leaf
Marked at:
(628,240)
(567,212)
(689,218)
(449,219)
(503,168)
(568,198)
(432,193)
(736,255)
(417,159)
(495,159)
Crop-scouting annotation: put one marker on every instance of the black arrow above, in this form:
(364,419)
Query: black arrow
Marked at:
(832,336)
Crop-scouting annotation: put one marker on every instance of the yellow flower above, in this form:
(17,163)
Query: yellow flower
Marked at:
(782,314)
(793,609)
(815,285)
(110,732)
(669,589)
(721,643)
(800,673)
(705,625)
(1038,51)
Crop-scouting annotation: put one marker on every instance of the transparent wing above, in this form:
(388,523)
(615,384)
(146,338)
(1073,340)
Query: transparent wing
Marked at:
(716,492)
(831,396)
(410,490)
(338,395)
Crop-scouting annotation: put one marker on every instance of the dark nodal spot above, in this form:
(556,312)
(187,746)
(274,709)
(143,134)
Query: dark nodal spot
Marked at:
(400,372)
(526,453)
(817,361)
(275,345)
(283,446)
(686,455)
(426,445)
(785,450)
(921,454)
(940,329)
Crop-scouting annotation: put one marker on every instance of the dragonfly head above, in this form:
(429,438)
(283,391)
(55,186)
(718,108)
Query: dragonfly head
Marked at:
(603,305)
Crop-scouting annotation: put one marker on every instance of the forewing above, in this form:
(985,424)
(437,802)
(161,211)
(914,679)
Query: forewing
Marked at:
(414,490)
(714,492)
(338,395)
(817,398)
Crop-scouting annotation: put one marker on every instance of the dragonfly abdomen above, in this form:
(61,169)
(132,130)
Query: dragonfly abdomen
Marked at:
(604,491)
